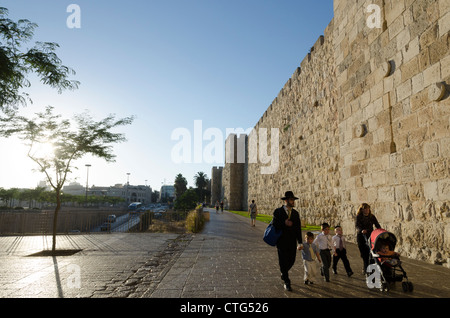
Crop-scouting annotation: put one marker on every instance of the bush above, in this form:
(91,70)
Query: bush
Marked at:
(195,221)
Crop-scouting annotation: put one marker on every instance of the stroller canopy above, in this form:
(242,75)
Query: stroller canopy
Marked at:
(381,235)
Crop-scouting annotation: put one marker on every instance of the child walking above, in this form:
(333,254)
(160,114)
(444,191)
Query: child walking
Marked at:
(323,241)
(340,251)
(310,253)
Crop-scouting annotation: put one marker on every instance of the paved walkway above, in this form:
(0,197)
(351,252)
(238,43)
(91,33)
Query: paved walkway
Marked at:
(227,260)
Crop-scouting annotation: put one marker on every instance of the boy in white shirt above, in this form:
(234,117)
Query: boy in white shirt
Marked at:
(323,241)
(340,252)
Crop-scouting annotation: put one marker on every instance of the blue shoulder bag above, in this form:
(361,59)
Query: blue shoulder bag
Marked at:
(271,235)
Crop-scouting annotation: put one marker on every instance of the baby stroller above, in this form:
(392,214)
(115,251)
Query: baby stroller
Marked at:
(384,264)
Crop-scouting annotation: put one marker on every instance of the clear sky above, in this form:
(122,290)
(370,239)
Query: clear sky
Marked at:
(170,63)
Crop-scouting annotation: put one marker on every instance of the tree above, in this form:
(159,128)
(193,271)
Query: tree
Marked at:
(155,195)
(187,201)
(36,193)
(201,182)
(16,64)
(7,195)
(54,145)
(180,185)
(47,198)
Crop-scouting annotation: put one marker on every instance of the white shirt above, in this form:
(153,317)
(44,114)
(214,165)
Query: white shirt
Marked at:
(323,241)
(336,240)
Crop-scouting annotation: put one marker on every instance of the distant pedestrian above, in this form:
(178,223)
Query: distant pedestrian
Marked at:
(310,256)
(217,206)
(365,221)
(340,251)
(287,220)
(221,206)
(323,241)
(253,211)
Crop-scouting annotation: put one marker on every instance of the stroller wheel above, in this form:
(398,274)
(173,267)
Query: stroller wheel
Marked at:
(410,286)
(405,286)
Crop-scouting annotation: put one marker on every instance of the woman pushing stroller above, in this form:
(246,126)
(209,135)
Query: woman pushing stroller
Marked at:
(365,221)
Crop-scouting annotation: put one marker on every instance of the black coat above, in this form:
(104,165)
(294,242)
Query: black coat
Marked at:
(290,235)
(366,223)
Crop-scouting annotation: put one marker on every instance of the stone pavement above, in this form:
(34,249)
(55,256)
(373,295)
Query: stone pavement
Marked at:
(227,260)
(107,265)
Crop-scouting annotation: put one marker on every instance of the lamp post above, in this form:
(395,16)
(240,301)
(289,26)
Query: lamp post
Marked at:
(128,183)
(87,183)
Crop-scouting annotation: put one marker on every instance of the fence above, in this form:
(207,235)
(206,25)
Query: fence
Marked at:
(81,221)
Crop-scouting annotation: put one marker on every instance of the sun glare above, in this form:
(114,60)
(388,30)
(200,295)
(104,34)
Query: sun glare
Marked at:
(44,150)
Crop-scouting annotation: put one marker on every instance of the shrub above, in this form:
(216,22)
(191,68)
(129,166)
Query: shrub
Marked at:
(195,221)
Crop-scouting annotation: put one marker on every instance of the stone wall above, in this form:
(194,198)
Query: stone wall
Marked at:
(305,114)
(366,118)
(393,122)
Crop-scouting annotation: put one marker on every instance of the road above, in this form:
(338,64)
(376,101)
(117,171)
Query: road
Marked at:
(122,224)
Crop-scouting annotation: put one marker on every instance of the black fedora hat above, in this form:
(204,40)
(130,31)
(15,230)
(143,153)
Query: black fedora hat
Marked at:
(289,195)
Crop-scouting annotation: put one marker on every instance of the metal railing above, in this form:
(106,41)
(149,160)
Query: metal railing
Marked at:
(36,222)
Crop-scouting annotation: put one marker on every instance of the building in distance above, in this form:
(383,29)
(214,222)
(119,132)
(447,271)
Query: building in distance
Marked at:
(167,193)
(130,193)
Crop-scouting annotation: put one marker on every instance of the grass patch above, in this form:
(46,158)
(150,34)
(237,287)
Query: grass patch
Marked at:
(268,218)
(260,217)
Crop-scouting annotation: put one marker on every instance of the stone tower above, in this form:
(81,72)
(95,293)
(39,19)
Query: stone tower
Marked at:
(216,185)
(234,176)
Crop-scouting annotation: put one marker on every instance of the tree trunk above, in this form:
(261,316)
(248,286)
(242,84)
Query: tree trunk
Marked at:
(55,217)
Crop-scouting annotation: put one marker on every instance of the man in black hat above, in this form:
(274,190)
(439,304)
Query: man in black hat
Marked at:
(287,219)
